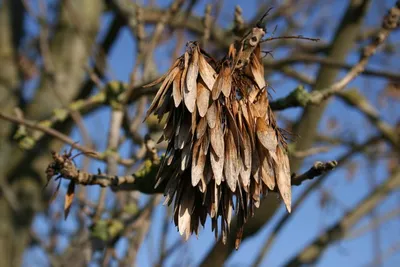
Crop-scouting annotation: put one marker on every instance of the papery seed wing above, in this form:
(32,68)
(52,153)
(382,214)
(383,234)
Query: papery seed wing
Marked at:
(216,90)
(193,71)
(185,156)
(198,164)
(217,139)
(201,128)
(226,81)
(244,173)
(283,178)
(164,76)
(266,135)
(267,174)
(217,165)
(230,162)
(207,73)
(212,115)
(176,89)
(163,89)
(203,98)
(185,207)
(189,97)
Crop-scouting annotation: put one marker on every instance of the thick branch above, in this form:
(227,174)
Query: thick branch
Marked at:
(310,254)
(311,188)
(143,180)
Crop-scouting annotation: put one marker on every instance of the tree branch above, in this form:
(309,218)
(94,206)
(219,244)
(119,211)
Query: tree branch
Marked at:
(62,137)
(317,169)
(63,166)
(144,180)
(311,188)
(311,253)
(306,59)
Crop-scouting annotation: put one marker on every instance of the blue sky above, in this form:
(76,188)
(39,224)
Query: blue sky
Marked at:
(309,220)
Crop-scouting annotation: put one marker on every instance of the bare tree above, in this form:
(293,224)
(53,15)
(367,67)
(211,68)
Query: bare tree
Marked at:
(332,74)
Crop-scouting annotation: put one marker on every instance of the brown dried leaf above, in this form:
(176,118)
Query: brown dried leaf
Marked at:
(230,163)
(207,73)
(163,89)
(239,236)
(216,90)
(194,122)
(205,144)
(183,77)
(217,140)
(203,98)
(244,173)
(201,128)
(257,70)
(256,194)
(229,205)
(262,105)
(212,115)
(249,121)
(247,151)
(255,167)
(226,81)
(193,71)
(282,171)
(184,134)
(185,156)
(253,112)
(170,190)
(189,97)
(217,165)
(185,208)
(176,89)
(164,76)
(198,164)
(163,106)
(69,197)
(234,129)
(266,135)
(267,174)
(215,195)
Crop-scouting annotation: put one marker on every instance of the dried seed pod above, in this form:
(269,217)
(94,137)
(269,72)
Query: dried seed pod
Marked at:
(222,137)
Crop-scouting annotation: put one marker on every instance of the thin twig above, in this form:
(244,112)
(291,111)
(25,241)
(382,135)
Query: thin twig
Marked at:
(317,169)
(390,22)
(311,188)
(298,37)
(62,137)
(310,59)
(375,223)
(63,165)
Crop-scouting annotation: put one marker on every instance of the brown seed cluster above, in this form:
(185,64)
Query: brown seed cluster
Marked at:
(225,150)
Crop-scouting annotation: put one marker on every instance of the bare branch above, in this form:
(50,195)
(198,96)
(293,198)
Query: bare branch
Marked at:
(317,169)
(316,183)
(375,223)
(297,37)
(311,253)
(62,137)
